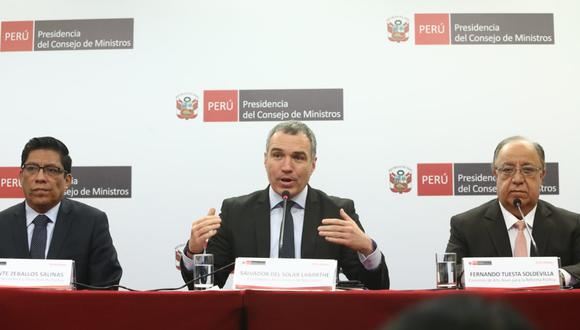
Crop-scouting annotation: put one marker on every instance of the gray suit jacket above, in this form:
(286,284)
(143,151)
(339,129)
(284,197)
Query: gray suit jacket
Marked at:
(245,232)
(81,233)
(481,232)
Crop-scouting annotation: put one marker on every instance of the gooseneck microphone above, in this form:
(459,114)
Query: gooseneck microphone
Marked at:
(518,204)
(285,196)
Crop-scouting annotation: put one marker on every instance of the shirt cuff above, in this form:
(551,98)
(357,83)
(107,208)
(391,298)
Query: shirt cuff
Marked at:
(569,280)
(187,261)
(373,260)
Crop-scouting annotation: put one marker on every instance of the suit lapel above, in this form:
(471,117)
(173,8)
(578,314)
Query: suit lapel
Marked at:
(61,228)
(311,222)
(20,233)
(261,215)
(497,231)
(543,227)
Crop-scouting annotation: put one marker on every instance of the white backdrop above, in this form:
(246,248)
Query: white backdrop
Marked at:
(403,104)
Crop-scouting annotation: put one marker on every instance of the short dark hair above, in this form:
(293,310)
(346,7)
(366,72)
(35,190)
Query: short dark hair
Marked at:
(459,311)
(50,143)
(505,141)
(294,128)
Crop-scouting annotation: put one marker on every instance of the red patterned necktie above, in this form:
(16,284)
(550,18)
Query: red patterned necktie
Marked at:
(521,249)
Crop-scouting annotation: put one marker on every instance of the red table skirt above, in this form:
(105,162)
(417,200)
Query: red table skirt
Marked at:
(45,309)
(86,310)
(551,309)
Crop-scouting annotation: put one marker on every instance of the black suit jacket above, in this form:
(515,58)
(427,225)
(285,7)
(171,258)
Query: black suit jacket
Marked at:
(81,233)
(245,232)
(481,232)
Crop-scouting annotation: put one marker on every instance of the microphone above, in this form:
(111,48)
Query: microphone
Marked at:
(285,196)
(518,204)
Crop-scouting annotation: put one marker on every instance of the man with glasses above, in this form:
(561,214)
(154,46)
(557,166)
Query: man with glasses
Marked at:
(48,226)
(496,228)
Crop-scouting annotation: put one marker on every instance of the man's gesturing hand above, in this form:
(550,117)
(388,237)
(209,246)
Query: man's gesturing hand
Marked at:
(201,231)
(346,232)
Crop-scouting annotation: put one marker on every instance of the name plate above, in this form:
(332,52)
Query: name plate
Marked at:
(512,273)
(37,273)
(285,274)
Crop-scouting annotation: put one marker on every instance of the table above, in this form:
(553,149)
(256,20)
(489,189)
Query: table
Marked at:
(549,309)
(46,309)
(107,310)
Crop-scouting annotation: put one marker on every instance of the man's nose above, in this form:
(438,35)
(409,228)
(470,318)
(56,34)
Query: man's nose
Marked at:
(287,164)
(518,177)
(40,176)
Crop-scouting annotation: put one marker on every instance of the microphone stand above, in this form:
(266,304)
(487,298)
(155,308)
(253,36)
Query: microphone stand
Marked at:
(285,196)
(517,204)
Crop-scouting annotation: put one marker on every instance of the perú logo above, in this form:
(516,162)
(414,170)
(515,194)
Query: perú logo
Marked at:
(400,178)
(186,104)
(398,29)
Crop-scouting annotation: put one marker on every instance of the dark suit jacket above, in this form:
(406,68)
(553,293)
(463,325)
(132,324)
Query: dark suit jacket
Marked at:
(481,232)
(81,233)
(245,232)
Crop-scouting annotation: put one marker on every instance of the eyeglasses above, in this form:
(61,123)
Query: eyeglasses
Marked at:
(33,169)
(510,171)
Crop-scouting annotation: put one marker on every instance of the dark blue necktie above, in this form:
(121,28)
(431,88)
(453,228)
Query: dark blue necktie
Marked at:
(287,250)
(38,242)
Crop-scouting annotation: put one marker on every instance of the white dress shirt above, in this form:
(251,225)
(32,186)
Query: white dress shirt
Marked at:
(510,220)
(31,214)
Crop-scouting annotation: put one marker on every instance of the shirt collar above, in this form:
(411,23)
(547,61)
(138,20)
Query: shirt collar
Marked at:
(299,199)
(511,219)
(31,213)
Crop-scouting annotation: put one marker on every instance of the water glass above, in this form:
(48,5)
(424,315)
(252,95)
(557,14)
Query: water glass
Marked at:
(446,270)
(202,271)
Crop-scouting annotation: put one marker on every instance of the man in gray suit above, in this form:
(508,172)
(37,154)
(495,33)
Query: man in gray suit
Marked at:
(47,225)
(491,230)
(323,227)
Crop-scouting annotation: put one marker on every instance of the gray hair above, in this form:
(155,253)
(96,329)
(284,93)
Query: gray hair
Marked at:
(294,128)
(505,141)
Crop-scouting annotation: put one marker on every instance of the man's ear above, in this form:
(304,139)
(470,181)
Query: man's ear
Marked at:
(68,181)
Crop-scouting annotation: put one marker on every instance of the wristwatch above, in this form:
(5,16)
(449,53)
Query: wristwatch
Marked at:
(186,250)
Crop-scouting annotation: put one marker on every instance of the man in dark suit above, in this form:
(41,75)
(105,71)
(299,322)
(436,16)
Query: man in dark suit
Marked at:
(324,227)
(47,225)
(491,230)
